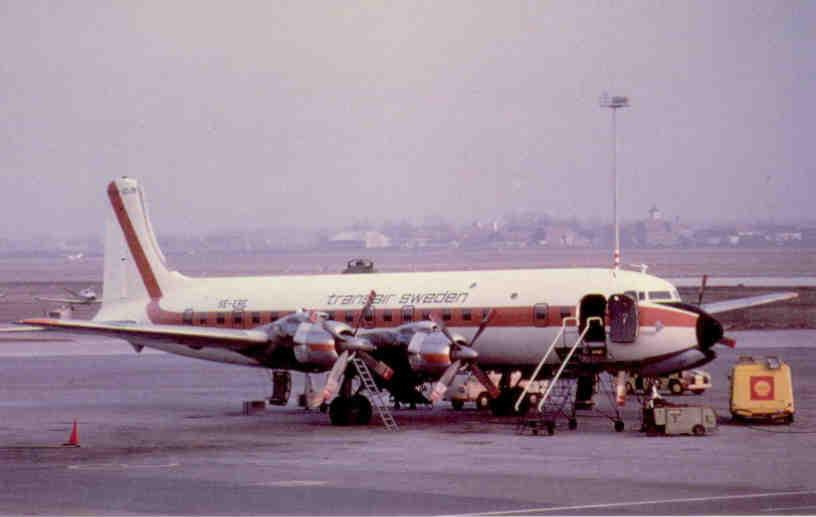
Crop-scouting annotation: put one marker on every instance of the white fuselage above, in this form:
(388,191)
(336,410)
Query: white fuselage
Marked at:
(514,336)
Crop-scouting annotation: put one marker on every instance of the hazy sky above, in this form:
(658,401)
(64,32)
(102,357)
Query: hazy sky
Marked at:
(252,113)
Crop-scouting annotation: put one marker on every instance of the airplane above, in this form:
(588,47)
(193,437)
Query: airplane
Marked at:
(86,296)
(409,327)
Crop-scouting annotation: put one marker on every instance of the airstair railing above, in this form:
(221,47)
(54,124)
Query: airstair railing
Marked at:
(566,360)
(533,377)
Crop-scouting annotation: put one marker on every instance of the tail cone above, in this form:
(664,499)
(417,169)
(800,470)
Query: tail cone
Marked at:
(73,440)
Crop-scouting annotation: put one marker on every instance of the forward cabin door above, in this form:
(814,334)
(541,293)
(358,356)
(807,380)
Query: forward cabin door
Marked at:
(592,306)
(623,319)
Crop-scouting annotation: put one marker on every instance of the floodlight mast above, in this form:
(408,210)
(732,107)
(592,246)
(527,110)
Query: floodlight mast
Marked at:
(614,103)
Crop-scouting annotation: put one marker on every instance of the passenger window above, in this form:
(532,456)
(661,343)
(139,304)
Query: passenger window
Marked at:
(273,316)
(426,315)
(641,295)
(466,315)
(237,319)
(202,321)
(187,317)
(408,313)
(256,317)
(349,317)
(220,319)
(387,315)
(446,314)
(541,313)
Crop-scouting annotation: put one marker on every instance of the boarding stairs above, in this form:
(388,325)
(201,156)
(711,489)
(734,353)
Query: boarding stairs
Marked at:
(375,395)
(565,360)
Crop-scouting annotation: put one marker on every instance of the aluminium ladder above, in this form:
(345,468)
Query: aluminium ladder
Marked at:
(375,395)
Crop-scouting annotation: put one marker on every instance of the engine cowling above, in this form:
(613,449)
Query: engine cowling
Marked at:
(429,353)
(314,345)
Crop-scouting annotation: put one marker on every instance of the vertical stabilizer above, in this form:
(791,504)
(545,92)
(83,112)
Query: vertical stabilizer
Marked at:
(134,263)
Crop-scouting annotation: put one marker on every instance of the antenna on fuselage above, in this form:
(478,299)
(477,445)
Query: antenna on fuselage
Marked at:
(614,103)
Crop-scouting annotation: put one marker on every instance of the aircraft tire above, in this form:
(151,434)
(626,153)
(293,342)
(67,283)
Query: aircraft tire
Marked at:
(675,387)
(483,400)
(360,410)
(503,405)
(340,411)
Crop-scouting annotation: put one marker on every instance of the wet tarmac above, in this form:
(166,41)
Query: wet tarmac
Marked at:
(165,435)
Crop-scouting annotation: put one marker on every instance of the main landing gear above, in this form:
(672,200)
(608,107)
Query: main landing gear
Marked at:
(348,408)
(504,404)
(354,410)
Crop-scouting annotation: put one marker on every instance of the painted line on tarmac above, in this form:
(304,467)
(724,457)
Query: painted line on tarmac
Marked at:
(102,466)
(775,510)
(645,503)
(293,483)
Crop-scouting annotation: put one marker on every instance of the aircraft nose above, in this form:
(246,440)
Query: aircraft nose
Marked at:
(709,331)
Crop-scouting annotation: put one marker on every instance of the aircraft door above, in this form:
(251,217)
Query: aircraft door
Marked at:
(593,305)
(623,318)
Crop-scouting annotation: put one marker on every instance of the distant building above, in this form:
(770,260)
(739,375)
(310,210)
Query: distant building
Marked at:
(564,236)
(657,233)
(359,240)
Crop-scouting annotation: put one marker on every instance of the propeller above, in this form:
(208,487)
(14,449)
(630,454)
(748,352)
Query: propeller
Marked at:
(350,346)
(702,290)
(462,353)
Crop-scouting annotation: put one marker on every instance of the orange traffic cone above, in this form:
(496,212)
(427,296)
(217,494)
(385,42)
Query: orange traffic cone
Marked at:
(73,440)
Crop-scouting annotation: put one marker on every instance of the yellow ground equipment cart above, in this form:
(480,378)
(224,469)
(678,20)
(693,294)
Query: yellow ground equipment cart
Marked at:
(762,389)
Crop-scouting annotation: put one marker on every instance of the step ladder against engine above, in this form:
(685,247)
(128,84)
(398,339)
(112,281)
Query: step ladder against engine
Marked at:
(375,395)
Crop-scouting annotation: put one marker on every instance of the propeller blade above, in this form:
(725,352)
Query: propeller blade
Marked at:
(442,384)
(369,302)
(440,324)
(332,381)
(491,388)
(702,290)
(728,341)
(482,326)
(378,367)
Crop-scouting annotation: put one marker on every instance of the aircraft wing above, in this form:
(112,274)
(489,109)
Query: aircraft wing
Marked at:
(72,301)
(211,337)
(741,303)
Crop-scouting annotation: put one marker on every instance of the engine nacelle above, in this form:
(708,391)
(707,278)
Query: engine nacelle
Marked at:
(314,346)
(431,353)
(682,361)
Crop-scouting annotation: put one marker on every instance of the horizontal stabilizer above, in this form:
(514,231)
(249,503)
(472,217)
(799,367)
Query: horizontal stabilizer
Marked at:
(21,328)
(192,336)
(71,301)
(741,303)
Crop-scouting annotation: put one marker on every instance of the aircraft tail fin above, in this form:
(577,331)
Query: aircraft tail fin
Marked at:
(135,267)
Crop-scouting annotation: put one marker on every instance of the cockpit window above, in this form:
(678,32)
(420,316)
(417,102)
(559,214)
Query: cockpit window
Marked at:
(660,295)
(641,295)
